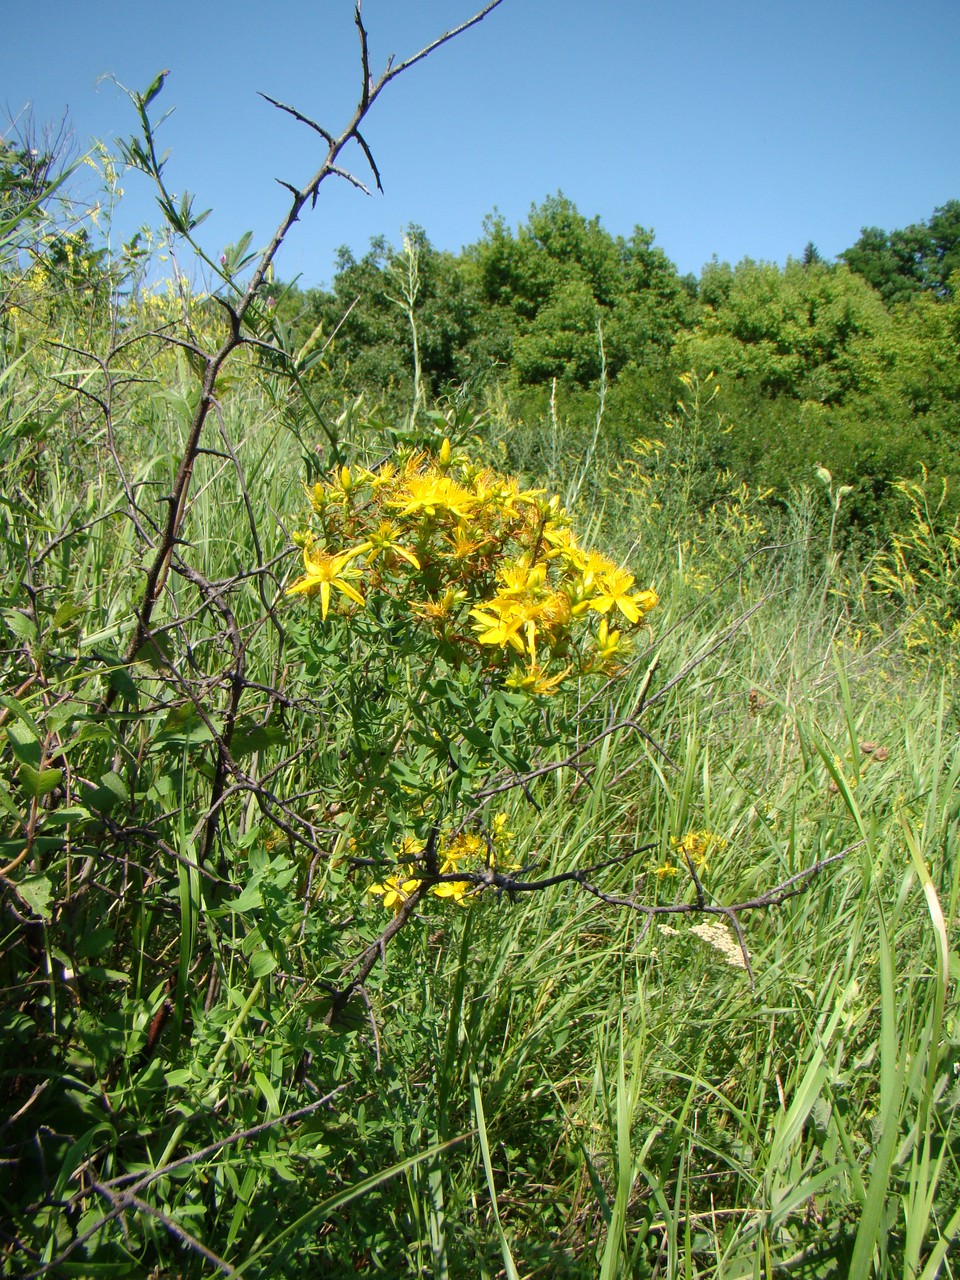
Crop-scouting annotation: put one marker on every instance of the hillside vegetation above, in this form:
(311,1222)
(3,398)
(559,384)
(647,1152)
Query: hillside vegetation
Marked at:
(852,364)
(479,771)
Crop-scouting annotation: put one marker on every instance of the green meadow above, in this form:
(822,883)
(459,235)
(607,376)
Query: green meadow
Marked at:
(562,879)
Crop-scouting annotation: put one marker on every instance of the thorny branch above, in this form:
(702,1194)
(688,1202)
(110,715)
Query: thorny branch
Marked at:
(122,1191)
(213,362)
(504,882)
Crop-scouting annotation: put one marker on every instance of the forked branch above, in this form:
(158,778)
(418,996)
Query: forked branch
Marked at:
(213,362)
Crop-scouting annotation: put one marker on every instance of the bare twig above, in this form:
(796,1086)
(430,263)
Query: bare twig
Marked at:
(158,567)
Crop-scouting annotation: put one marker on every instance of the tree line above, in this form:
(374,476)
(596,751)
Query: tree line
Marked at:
(851,364)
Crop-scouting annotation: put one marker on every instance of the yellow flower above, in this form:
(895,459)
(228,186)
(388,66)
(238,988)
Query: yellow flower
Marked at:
(560,541)
(500,831)
(396,889)
(593,565)
(503,630)
(455,889)
(382,476)
(609,643)
(465,542)
(556,610)
(325,571)
(385,540)
(319,498)
(507,495)
(697,844)
(440,610)
(613,587)
(519,579)
(432,494)
(536,680)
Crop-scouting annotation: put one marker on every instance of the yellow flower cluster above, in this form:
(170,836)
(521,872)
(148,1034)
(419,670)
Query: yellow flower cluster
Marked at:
(695,845)
(464,851)
(493,569)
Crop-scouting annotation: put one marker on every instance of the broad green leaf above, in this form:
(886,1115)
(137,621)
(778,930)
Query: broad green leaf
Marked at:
(111,792)
(248,900)
(262,963)
(24,742)
(67,613)
(23,628)
(36,892)
(8,805)
(38,782)
(21,712)
(256,738)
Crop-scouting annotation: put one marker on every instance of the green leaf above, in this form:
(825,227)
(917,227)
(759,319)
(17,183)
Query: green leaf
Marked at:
(181,728)
(67,613)
(111,792)
(156,651)
(256,738)
(24,743)
(21,712)
(95,942)
(23,628)
(155,86)
(8,805)
(38,782)
(178,1079)
(269,1093)
(64,815)
(262,963)
(248,900)
(36,892)
(122,682)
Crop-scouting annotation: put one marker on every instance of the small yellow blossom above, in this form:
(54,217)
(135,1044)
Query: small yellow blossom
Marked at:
(536,681)
(696,845)
(396,889)
(609,643)
(386,539)
(464,541)
(444,608)
(613,588)
(433,495)
(503,630)
(455,889)
(325,571)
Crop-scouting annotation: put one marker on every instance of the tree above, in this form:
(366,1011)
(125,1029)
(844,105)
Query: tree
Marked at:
(944,227)
(811,254)
(787,332)
(561,274)
(919,258)
(367,317)
(24,177)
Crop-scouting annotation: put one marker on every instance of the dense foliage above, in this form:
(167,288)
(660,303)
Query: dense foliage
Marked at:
(850,365)
(456,821)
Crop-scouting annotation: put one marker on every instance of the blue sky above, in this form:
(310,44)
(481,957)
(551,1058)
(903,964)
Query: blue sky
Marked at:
(743,128)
